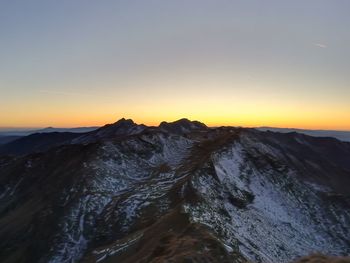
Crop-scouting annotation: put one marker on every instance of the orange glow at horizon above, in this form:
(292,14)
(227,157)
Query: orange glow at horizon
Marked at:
(211,115)
(152,100)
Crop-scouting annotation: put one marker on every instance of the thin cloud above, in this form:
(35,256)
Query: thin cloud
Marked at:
(320,45)
(62,93)
(71,94)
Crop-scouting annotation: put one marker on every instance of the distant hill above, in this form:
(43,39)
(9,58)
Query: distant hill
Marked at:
(26,132)
(340,135)
(37,142)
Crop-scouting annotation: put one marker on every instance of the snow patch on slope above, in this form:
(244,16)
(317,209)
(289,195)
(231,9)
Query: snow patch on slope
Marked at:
(278,224)
(120,167)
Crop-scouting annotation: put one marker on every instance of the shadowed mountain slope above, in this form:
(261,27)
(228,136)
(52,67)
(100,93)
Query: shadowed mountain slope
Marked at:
(8,139)
(218,195)
(182,126)
(37,142)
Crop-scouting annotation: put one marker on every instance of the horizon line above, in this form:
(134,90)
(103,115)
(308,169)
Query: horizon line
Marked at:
(28,128)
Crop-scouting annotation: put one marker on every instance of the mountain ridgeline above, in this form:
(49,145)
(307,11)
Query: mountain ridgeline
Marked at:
(179,192)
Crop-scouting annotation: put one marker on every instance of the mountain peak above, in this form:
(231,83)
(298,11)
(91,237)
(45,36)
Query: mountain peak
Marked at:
(124,121)
(182,126)
(121,128)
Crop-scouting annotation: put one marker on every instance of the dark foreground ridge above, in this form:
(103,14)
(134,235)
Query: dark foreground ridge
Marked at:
(180,192)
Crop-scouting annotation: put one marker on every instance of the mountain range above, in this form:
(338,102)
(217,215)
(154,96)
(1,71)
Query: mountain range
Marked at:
(340,135)
(9,135)
(178,192)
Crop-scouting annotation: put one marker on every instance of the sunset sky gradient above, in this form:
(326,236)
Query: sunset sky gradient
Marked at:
(275,63)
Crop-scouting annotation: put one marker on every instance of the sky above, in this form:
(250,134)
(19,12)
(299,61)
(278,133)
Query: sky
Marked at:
(72,63)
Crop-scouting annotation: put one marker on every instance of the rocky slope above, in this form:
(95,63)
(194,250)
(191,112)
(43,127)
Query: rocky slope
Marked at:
(180,192)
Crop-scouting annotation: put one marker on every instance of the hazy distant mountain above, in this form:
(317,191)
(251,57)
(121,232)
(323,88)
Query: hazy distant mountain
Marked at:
(74,130)
(40,141)
(340,135)
(26,132)
(180,192)
(37,142)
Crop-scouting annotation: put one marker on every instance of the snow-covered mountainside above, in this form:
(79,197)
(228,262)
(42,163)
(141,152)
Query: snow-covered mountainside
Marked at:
(130,193)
